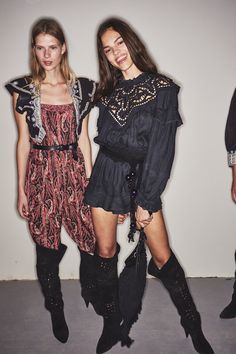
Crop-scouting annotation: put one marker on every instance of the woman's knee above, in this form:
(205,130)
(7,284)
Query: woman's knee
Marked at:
(160,258)
(106,250)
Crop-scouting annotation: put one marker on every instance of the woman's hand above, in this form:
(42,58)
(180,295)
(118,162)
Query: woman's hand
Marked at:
(22,205)
(121,218)
(143,218)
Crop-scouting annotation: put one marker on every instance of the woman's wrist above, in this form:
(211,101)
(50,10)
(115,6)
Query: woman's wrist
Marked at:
(21,190)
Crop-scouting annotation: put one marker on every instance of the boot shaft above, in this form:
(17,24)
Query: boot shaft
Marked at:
(173,278)
(107,284)
(49,257)
(47,267)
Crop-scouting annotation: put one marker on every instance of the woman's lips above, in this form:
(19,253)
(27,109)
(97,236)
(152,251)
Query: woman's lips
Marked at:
(121,59)
(47,63)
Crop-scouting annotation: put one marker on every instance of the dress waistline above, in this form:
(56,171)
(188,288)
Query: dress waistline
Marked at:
(72,147)
(118,156)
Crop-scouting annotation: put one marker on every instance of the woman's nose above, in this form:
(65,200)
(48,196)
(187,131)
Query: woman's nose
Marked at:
(116,51)
(47,53)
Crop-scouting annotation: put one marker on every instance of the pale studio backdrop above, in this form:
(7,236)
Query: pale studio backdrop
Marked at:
(193,41)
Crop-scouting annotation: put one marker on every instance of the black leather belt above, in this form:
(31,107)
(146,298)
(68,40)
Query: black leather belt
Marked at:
(72,147)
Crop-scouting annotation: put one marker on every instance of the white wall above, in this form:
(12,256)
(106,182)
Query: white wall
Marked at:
(193,42)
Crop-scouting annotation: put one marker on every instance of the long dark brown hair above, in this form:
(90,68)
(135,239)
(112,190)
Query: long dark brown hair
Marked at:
(50,26)
(138,52)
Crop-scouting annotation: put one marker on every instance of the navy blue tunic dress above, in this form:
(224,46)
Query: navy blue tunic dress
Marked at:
(136,126)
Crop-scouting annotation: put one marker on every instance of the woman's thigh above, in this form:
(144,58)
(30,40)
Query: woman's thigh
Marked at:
(157,239)
(105,224)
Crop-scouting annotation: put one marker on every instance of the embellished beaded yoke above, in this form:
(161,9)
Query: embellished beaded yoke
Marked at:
(128,96)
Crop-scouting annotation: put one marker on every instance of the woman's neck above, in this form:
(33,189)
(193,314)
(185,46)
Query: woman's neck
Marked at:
(54,78)
(131,72)
(54,89)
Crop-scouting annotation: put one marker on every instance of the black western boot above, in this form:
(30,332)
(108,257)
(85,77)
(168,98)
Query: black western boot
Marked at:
(230,310)
(47,267)
(106,303)
(173,278)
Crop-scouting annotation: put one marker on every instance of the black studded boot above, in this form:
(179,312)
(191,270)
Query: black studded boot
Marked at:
(106,303)
(230,310)
(173,278)
(47,267)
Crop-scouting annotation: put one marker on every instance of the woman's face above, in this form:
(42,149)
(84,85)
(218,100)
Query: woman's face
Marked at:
(116,51)
(48,51)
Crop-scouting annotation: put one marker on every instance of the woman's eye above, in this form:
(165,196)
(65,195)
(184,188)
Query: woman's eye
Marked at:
(120,42)
(38,48)
(106,51)
(54,47)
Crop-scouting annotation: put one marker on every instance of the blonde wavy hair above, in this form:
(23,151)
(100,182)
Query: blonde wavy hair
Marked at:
(50,26)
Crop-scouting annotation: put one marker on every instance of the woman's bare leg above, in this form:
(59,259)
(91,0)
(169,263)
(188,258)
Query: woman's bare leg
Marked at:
(105,224)
(157,239)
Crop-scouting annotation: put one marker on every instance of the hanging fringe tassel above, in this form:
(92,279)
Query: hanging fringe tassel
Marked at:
(132,284)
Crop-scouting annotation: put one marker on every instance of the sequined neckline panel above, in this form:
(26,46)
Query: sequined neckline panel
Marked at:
(133,93)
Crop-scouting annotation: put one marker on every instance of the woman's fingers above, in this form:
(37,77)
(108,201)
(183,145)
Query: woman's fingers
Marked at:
(121,218)
(144,222)
(23,210)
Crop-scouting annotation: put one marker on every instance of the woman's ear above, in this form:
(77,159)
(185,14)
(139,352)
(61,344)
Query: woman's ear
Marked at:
(63,48)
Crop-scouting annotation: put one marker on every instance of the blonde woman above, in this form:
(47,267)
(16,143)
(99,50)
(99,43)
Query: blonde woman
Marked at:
(53,159)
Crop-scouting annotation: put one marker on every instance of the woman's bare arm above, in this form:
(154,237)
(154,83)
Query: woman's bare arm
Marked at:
(22,152)
(85,146)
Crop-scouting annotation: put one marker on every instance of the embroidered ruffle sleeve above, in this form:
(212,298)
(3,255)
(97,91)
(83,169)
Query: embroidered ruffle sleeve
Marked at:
(82,92)
(28,102)
(230,132)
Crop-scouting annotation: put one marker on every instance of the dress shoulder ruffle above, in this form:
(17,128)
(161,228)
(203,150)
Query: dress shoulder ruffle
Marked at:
(19,85)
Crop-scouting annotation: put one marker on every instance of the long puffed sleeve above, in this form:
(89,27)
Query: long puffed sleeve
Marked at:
(161,149)
(230,132)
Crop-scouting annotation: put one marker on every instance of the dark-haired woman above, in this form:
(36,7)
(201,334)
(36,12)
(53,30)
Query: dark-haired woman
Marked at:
(230,141)
(53,159)
(136,130)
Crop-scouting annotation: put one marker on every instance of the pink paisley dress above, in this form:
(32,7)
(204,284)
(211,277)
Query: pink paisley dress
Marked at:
(55,184)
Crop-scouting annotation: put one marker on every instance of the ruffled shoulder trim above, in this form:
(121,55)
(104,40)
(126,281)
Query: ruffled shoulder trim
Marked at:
(28,102)
(84,88)
(166,105)
(83,92)
(20,85)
